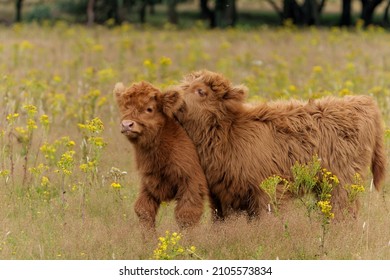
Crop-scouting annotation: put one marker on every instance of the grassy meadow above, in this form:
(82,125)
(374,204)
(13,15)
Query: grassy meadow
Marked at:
(67,176)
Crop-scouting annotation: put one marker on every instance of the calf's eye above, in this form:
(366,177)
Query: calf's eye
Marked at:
(149,110)
(201,92)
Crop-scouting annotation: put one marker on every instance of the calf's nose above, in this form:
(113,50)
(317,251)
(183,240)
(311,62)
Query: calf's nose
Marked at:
(126,125)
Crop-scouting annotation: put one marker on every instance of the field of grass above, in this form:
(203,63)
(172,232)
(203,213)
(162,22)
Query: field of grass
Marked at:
(67,177)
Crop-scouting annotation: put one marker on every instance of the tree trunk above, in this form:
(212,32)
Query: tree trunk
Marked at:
(311,12)
(19,6)
(292,11)
(346,9)
(225,13)
(204,9)
(90,12)
(232,13)
(206,13)
(386,19)
(172,13)
(368,9)
(142,11)
(112,12)
(321,6)
(152,9)
(220,7)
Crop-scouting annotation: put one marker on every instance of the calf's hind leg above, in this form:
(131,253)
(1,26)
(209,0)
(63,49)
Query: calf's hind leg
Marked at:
(188,210)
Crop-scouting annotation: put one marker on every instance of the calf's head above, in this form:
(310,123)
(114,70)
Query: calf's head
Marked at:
(144,110)
(209,97)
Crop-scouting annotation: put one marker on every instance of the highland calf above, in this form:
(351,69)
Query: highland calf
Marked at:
(166,157)
(239,145)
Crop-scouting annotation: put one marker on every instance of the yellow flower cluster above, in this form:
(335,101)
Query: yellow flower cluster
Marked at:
(25,45)
(94,126)
(66,162)
(148,63)
(169,247)
(45,181)
(30,109)
(12,117)
(106,75)
(22,134)
(31,125)
(4,173)
(329,176)
(44,120)
(89,166)
(48,151)
(38,169)
(165,61)
(328,182)
(92,94)
(97,141)
(116,185)
(317,69)
(326,208)
(270,186)
(356,188)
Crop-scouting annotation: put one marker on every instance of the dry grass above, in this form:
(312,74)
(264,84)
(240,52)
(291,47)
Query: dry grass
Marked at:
(58,69)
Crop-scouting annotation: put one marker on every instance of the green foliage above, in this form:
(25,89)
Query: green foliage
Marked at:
(305,176)
(40,13)
(355,189)
(313,187)
(274,187)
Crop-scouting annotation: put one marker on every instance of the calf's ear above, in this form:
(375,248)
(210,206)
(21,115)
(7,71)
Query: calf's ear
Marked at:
(172,100)
(118,90)
(237,93)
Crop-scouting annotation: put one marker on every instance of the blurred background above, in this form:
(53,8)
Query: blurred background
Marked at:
(211,13)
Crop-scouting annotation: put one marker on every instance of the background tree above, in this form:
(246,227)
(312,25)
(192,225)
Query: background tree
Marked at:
(386,19)
(225,13)
(368,9)
(219,13)
(306,13)
(346,9)
(91,12)
(172,12)
(18,6)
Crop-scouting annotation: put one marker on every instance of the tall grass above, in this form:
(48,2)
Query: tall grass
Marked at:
(67,176)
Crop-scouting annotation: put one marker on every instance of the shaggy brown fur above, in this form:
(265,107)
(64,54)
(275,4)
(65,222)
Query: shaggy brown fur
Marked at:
(239,146)
(166,157)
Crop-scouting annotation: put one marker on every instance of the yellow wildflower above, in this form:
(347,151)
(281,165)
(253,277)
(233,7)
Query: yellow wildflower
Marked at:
(31,110)
(165,61)
(317,69)
(44,120)
(116,185)
(326,208)
(12,117)
(45,181)
(4,173)
(26,45)
(148,63)
(31,125)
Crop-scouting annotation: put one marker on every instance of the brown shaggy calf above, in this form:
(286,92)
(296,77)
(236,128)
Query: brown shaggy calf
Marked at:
(239,145)
(166,157)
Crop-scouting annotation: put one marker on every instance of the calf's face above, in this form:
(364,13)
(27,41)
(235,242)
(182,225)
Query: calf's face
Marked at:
(208,97)
(144,110)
